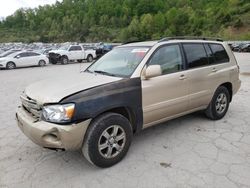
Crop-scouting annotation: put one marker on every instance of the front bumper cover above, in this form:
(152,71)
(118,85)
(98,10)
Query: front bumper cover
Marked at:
(49,135)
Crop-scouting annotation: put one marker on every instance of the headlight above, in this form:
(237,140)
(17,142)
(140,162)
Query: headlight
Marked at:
(58,113)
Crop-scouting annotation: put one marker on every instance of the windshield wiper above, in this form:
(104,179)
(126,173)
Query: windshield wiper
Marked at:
(87,70)
(103,72)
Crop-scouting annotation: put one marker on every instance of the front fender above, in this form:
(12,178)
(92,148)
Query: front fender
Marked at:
(94,101)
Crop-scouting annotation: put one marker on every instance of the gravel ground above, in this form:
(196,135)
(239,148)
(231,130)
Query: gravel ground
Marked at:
(191,151)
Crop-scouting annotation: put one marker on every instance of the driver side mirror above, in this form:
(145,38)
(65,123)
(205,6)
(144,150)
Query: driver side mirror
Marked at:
(18,56)
(153,71)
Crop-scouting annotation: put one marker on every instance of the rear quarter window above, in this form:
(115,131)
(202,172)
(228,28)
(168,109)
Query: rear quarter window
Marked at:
(220,53)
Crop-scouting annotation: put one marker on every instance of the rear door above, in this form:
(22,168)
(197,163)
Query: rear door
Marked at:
(205,73)
(33,59)
(76,53)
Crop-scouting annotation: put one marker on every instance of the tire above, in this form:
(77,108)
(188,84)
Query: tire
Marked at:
(90,58)
(41,63)
(219,105)
(64,60)
(10,65)
(102,147)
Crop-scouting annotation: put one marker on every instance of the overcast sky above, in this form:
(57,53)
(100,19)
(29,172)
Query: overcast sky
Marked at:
(8,7)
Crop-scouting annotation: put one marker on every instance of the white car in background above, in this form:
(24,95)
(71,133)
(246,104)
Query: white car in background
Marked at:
(23,59)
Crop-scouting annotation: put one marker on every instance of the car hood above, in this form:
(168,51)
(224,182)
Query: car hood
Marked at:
(4,58)
(54,90)
(57,51)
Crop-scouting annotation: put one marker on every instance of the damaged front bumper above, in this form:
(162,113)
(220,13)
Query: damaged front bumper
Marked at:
(49,135)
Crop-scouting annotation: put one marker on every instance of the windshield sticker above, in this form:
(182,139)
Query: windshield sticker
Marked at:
(139,50)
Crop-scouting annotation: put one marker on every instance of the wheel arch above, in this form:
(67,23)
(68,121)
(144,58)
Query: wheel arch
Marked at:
(124,111)
(42,60)
(229,87)
(63,55)
(10,62)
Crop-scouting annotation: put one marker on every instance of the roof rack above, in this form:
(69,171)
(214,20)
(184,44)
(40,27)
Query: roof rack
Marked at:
(189,38)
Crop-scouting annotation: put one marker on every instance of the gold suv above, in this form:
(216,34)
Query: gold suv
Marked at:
(135,86)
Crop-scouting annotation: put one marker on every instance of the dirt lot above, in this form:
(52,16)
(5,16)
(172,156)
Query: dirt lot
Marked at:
(191,151)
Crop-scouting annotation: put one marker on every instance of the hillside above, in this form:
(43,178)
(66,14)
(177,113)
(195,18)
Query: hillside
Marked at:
(126,20)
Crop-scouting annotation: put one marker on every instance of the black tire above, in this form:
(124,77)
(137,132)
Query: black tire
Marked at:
(94,137)
(10,65)
(64,60)
(90,58)
(41,63)
(53,62)
(217,110)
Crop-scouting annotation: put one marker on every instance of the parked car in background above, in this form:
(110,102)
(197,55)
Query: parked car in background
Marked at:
(44,51)
(103,49)
(70,53)
(132,87)
(245,48)
(237,47)
(8,52)
(23,59)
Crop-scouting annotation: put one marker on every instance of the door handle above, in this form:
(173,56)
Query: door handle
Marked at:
(182,77)
(214,70)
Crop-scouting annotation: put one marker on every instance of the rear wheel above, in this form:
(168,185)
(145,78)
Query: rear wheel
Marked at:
(218,107)
(107,140)
(90,58)
(41,63)
(10,65)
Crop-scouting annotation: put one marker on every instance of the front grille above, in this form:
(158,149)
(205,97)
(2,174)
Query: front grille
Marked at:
(31,106)
(53,57)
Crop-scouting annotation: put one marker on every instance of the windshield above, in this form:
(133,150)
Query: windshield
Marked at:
(120,62)
(64,47)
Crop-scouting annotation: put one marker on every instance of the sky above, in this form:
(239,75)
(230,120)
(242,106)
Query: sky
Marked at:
(8,7)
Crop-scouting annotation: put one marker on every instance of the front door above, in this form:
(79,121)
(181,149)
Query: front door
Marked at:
(21,59)
(165,96)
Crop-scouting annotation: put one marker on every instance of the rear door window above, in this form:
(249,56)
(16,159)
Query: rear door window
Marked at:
(220,53)
(75,48)
(210,55)
(195,54)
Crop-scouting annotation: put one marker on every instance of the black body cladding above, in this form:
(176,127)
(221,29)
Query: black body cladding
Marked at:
(126,93)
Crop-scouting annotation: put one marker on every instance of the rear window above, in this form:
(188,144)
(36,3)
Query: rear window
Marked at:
(196,55)
(220,53)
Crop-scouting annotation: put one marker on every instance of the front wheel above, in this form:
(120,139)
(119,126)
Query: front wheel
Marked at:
(64,60)
(107,140)
(219,105)
(10,66)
